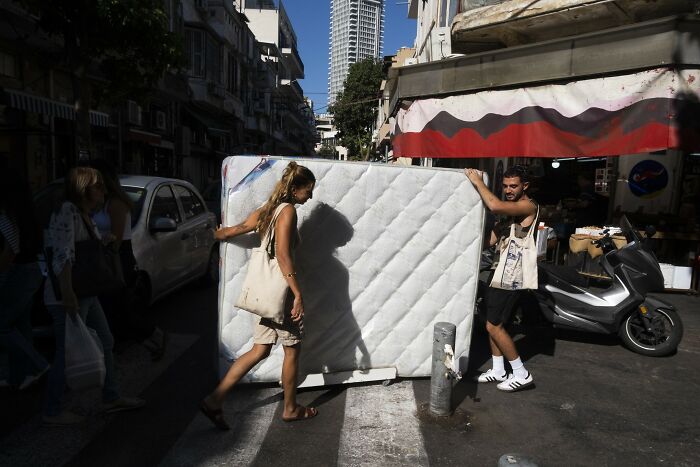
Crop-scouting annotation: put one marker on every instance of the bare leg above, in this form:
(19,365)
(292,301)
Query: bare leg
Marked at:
(495,351)
(501,342)
(289,379)
(237,371)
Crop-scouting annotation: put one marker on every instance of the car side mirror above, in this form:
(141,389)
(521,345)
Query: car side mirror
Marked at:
(162,224)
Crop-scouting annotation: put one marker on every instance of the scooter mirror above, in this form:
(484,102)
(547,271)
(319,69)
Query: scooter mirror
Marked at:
(650,231)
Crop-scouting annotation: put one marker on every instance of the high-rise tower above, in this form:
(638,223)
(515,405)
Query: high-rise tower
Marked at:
(357,32)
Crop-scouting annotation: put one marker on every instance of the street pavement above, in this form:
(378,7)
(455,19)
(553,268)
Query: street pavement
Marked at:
(594,403)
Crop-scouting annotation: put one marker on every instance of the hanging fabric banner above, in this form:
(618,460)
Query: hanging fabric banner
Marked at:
(608,116)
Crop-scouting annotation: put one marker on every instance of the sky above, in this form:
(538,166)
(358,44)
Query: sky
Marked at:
(311,22)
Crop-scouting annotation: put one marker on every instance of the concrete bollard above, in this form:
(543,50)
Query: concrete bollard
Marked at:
(440,380)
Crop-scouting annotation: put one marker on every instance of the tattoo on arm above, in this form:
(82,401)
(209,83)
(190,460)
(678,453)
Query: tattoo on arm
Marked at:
(237,229)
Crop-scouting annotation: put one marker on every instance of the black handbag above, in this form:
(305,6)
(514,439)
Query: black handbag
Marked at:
(96,270)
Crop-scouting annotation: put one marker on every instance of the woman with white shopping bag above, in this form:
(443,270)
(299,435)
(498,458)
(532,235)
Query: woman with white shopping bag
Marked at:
(516,270)
(72,305)
(266,292)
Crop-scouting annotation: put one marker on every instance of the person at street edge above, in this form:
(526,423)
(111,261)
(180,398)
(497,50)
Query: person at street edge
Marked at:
(295,187)
(69,225)
(519,209)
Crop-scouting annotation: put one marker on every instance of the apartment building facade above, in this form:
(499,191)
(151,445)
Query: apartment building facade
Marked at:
(230,97)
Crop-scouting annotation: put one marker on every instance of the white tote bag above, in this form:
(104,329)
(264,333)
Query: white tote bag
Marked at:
(265,288)
(85,360)
(517,265)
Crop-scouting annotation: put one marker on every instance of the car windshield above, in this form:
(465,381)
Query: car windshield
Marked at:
(137,196)
(628,230)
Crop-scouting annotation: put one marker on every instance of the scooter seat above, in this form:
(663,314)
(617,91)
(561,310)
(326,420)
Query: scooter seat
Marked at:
(563,273)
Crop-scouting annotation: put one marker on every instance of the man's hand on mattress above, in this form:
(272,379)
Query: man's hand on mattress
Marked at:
(297,309)
(474,175)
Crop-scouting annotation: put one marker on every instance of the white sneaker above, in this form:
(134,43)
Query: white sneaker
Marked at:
(491,377)
(514,383)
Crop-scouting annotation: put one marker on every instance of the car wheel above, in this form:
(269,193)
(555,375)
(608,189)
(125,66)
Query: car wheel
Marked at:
(141,294)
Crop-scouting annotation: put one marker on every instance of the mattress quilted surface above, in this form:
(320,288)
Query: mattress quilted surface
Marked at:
(385,253)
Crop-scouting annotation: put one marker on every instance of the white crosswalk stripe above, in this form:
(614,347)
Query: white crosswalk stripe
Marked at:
(381,427)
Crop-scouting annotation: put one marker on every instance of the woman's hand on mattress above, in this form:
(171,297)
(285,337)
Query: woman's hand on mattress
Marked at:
(297,309)
(220,233)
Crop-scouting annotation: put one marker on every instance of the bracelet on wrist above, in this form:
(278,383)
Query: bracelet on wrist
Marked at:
(290,274)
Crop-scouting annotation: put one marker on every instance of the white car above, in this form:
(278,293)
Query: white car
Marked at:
(172,235)
(172,232)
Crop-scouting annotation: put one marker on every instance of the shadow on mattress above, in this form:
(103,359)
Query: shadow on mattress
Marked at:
(333,339)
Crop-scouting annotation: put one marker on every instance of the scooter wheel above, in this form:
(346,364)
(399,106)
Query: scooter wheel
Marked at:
(657,335)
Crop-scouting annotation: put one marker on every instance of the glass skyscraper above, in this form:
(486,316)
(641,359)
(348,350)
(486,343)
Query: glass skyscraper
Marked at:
(356,32)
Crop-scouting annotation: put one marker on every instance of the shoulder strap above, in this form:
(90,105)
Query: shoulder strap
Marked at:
(270,234)
(535,223)
(90,229)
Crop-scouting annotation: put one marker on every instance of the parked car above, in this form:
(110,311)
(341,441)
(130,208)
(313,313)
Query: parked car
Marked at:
(172,232)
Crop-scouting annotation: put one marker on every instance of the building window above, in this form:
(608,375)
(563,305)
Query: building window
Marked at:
(194,52)
(232,84)
(8,65)
(214,57)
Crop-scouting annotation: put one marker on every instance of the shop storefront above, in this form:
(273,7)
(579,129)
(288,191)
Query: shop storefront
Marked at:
(606,128)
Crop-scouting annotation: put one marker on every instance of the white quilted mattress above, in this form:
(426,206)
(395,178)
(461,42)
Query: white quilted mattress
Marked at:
(386,252)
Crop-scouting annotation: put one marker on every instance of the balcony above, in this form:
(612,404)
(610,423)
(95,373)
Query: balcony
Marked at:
(518,22)
(292,88)
(293,62)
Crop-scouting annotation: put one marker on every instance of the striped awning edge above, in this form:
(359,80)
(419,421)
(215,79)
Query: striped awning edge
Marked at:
(44,106)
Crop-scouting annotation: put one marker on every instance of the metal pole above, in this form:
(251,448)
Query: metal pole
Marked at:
(440,380)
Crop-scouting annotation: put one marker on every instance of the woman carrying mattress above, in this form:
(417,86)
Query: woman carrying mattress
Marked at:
(295,187)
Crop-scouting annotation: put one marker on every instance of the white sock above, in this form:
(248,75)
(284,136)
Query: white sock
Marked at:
(519,370)
(497,365)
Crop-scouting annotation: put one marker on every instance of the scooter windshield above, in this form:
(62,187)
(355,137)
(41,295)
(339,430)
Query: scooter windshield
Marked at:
(628,230)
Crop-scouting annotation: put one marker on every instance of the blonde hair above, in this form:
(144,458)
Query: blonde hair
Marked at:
(294,176)
(78,180)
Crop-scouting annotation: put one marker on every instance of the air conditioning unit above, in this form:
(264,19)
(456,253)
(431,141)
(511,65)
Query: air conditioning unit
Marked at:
(216,89)
(160,121)
(201,5)
(133,113)
(411,61)
(218,143)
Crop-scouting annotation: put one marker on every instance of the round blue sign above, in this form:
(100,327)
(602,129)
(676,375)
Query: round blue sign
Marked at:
(648,179)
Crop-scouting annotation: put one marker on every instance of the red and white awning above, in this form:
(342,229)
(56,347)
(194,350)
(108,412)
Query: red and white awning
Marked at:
(608,116)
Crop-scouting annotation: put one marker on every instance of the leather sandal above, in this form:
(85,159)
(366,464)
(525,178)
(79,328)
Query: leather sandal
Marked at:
(306,413)
(215,415)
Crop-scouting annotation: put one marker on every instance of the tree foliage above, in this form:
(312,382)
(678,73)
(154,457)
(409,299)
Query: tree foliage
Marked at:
(326,151)
(127,41)
(355,108)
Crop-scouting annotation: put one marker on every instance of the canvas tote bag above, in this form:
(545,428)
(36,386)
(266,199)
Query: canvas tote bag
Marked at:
(517,266)
(265,287)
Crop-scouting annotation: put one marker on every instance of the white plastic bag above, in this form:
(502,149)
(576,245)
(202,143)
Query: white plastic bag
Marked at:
(542,237)
(85,361)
